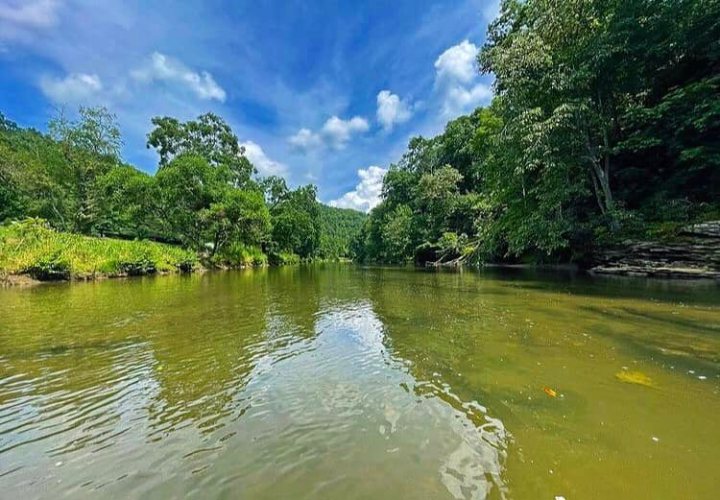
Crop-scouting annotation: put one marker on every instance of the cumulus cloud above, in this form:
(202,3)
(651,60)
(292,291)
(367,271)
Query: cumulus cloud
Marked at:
(163,68)
(457,64)
(305,139)
(391,110)
(335,133)
(366,194)
(73,89)
(459,100)
(265,165)
(457,80)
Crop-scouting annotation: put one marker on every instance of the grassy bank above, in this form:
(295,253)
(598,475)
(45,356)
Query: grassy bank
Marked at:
(31,248)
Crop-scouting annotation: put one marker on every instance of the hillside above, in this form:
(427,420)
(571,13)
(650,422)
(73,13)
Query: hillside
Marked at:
(339,227)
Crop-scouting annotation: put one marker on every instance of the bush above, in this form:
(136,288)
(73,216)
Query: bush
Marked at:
(284,258)
(240,255)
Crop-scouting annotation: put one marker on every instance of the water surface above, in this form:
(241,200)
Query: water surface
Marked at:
(347,382)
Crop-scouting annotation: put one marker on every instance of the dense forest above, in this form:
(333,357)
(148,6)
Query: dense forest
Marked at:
(605,125)
(205,195)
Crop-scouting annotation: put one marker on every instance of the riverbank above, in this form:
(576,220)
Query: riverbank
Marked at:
(31,252)
(694,253)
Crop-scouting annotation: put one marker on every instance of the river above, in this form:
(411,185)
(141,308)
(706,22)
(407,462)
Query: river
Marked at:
(338,381)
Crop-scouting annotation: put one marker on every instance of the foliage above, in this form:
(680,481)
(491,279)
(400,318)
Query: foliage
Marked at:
(295,218)
(31,247)
(338,228)
(605,125)
(284,258)
(200,209)
(208,137)
(202,196)
(239,254)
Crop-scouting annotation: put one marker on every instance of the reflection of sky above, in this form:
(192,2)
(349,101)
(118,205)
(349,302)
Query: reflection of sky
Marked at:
(333,403)
(473,468)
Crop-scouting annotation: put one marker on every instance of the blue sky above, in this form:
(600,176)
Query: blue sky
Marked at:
(323,92)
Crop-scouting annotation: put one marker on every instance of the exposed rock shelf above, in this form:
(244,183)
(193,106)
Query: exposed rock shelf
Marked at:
(694,254)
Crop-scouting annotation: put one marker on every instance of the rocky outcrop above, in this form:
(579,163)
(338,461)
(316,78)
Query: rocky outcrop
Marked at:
(695,253)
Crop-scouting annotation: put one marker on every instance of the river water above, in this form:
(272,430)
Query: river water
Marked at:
(337,381)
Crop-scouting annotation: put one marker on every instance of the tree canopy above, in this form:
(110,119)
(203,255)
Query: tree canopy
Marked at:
(605,124)
(204,195)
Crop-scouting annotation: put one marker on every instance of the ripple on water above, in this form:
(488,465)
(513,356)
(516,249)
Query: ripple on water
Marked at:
(235,410)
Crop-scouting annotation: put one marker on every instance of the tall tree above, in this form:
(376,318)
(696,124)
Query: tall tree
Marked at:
(209,137)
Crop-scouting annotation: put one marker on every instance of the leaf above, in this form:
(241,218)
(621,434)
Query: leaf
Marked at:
(550,392)
(638,378)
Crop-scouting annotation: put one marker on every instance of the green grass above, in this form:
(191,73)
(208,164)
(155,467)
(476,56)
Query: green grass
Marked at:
(240,255)
(31,247)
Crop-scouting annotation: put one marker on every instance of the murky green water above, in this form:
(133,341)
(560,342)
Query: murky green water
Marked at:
(342,382)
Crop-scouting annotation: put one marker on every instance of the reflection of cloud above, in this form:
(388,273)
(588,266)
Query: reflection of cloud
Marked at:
(474,468)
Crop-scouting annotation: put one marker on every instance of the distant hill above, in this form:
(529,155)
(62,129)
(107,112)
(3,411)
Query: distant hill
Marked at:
(339,227)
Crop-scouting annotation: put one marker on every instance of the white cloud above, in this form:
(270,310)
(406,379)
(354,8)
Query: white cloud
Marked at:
(305,139)
(21,20)
(457,80)
(366,194)
(73,89)
(335,133)
(163,68)
(457,64)
(264,165)
(34,14)
(391,109)
(460,100)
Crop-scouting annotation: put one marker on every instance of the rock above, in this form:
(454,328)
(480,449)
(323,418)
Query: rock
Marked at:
(694,254)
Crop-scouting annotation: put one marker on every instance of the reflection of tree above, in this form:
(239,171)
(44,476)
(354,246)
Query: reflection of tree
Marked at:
(209,343)
(443,325)
(69,337)
(206,342)
(67,356)
(293,300)
(429,321)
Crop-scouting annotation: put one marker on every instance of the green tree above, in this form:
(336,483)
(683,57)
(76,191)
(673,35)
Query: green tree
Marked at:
(295,219)
(209,137)
(91,148)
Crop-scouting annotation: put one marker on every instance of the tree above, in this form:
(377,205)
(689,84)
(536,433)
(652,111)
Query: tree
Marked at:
(296,220)
(128,204)
(338,228)
(91,147)
(236,216)
(209,137)
(185,187)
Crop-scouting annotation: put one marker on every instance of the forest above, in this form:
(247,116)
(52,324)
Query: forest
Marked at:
(605,126)
(205,196)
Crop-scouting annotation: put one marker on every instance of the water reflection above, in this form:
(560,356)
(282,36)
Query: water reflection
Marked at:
(338,382)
